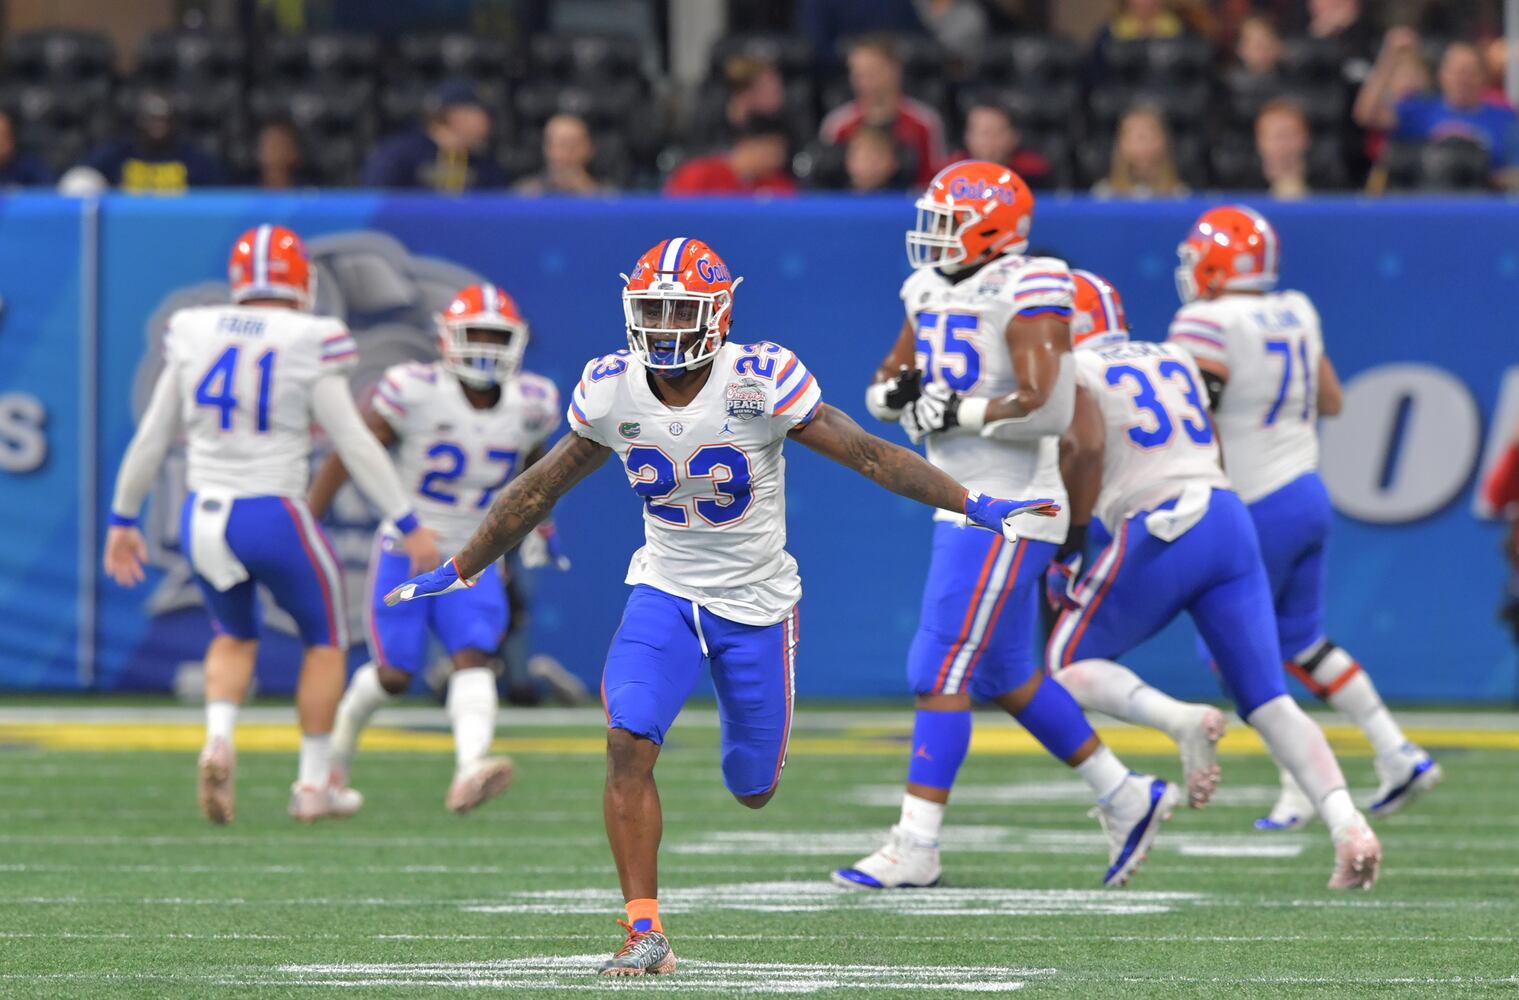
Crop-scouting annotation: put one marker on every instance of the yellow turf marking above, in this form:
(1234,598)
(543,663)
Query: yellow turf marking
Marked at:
(988,740)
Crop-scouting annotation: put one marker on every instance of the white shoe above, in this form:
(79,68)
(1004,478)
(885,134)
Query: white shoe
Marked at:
(903,862)
(1405,775)
(1293,808)
(480,782)
(308,803)
(342,802)
(1131,818)
(1357,858)
(1198,743)
(214,789)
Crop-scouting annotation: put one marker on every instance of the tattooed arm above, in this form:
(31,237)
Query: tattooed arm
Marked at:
(528,500)
(833,434)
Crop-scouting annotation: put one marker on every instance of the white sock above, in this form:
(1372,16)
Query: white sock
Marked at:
(1298,744)
(1103,772)
(316,759)
(921,818)
(1354,696)
(472,710)
(1113,689)
(362,699)
(221,720)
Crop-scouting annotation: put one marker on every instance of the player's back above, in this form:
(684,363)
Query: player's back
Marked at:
(246,375)
(961,329)
(454,455)
(1271,345)
(1158,439)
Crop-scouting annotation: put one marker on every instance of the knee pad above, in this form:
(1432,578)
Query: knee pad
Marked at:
(1323,668)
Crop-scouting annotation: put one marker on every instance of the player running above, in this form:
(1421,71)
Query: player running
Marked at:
(982,372)
(1262,354)
(462,427)
(246,382)
(1176,538)
(698,424)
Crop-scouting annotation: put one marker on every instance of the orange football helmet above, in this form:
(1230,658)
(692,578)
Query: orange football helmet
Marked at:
(1097,318)
(270,262)
(495,354)
(973,211)
(1232,248)
(679,304)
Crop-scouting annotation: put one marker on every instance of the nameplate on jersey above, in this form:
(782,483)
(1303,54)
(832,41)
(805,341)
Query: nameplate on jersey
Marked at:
(745,399)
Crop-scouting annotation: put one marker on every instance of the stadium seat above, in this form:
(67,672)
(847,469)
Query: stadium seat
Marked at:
(1311,60)
(336,127)
(210,116)
(821,166)
(434,58)
(1454,164)
(1398,167)
(584,58)
(790,54)
(84,61)
(167,58)
(325,57)
(60,122)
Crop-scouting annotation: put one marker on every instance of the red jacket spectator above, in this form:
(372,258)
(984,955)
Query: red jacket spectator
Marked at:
(875,76)
(755,165)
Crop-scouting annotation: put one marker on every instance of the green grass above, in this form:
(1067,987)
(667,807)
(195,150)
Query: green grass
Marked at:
(112,886)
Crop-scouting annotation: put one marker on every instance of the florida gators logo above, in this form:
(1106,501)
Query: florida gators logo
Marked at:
(712,272)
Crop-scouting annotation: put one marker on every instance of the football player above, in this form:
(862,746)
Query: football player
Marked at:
(246,382)
(981,372)
(1176,538)
(698,424)
(1262,354)
(461,427)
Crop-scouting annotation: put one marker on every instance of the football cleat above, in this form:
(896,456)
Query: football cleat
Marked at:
(644,953)
(1131,818)
(478,783)
(218,766)
(342,801)
(903,862)
(1357,858)
(1293,808)
(1199,754)
(309,803)
(1405,775)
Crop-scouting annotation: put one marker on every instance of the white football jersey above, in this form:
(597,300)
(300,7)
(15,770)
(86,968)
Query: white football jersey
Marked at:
(962,341)
(245,375)
(1271,345)
(452,456)
(1155,408)
(711,474)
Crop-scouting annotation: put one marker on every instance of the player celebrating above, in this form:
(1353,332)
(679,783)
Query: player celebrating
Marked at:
(496,418)
(982,371)
(698,424)
(1178,539)
(1262,354)
(246,382)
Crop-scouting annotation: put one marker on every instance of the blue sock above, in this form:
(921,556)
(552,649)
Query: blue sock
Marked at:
(1054,719)
(939,743)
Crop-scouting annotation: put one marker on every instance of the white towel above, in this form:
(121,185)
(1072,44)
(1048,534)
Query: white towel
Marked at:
(209,552)
(1170,524)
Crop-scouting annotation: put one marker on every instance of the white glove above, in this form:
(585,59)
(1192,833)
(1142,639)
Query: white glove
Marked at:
(933,411)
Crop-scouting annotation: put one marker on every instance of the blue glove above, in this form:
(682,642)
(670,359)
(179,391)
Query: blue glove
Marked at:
(442,580)
(1064,571)
(997,515)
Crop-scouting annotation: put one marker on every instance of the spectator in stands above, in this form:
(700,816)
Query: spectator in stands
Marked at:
(1398,73)
(826,23)
(755,87)
(875,76)
(19,168)
(1282,139)
(1260,46)
(281,161)
(1342,22)
(567,154)
(1142,166)
(154,159)
(1457,111)
(757,164)
(870,161)
(1135,20)
(991,134)
(447,153)
(1495,58)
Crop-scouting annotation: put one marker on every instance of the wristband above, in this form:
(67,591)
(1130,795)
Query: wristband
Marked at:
(971,413)
(122,521)
(407,523)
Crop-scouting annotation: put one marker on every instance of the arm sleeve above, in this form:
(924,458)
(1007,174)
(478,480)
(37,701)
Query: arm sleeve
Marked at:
(796,398)
(145,455)
(584,413)
(1051,418)
(1046,287)
(361,451)
(389,399)
(1200,336)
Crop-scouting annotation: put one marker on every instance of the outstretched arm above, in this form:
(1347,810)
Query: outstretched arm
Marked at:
(834,435)
(528,500)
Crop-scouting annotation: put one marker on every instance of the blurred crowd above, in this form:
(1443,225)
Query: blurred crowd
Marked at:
(1167,96)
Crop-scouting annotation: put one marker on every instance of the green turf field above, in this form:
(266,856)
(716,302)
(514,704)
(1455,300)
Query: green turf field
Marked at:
(112,886)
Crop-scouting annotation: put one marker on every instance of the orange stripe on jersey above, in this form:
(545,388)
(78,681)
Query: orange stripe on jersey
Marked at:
(797,394)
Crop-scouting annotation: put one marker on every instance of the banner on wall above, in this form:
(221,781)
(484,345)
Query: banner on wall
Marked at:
(1415,572)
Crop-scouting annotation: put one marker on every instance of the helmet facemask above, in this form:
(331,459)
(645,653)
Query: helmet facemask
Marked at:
(1186,272)
(673,330)
(936,239)
(483,355)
